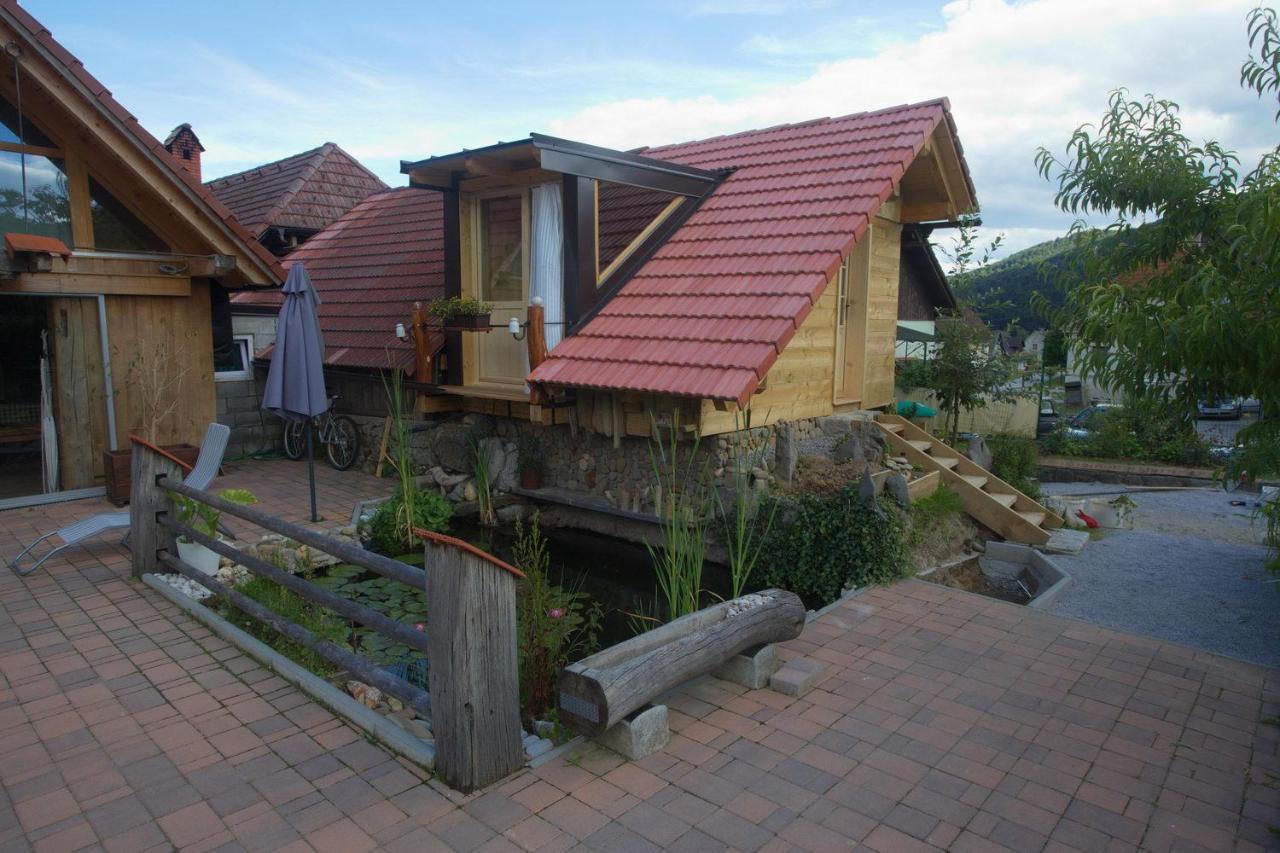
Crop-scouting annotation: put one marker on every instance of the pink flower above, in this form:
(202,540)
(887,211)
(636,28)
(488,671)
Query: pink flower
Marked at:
(555,613)
(421,626)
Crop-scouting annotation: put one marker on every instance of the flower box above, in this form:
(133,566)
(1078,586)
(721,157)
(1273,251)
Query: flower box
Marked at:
(467,323)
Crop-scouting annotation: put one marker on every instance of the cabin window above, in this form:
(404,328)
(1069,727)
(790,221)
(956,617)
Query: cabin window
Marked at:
(236,361)
(22,132)
(115,228)
(33,196)
(501,257)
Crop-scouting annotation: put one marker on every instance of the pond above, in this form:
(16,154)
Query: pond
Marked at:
(969,576)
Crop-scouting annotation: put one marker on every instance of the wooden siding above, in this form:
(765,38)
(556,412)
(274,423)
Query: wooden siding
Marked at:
(882,312)
(79,400)
(799,385)
(144,328)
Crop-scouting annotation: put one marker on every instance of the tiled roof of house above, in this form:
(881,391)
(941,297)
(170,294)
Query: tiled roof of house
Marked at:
(709,313)
(307,191)
(369,267)
(99,93)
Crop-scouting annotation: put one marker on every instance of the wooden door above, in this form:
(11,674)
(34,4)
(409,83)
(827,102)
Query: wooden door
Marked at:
(79,390)
(851,323)
(502,279)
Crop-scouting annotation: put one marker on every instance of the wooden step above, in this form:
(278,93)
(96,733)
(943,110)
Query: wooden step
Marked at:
(1007,500)
(922,446)
(975,480)
(894,428)
(947,461)
(1033,517)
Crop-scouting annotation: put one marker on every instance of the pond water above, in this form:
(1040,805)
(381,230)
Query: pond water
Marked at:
(969,576)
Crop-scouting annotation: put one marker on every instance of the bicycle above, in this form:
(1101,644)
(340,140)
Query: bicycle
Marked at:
(338,433)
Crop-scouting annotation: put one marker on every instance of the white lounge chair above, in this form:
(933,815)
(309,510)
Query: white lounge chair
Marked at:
(206,468)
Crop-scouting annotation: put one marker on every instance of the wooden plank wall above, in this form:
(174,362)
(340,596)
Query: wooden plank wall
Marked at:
(79,396)
(799,385)
(178,329)
(882,310)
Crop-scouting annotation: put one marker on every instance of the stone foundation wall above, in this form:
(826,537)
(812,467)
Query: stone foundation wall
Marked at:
(240,407)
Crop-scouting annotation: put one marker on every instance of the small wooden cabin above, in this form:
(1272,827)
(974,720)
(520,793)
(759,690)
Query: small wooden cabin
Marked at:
(117,259)
(759,270)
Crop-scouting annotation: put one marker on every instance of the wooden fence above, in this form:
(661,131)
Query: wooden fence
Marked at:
(470,644)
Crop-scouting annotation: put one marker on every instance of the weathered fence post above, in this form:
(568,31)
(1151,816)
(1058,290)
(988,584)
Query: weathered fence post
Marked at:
(473,667)
(147,501)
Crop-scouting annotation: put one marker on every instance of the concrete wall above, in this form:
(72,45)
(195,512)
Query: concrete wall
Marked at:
(240,407)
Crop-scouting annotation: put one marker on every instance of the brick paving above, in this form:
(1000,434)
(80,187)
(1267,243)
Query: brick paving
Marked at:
(943,721)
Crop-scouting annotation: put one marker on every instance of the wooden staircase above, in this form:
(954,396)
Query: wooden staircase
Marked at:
(987,498)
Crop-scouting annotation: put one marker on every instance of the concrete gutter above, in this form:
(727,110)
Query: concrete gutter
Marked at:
(1069,469)
(386,732)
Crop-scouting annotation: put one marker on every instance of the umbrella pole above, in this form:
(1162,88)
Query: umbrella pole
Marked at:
(311,471)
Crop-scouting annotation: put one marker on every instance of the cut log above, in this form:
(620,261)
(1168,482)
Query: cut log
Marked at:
(598,691)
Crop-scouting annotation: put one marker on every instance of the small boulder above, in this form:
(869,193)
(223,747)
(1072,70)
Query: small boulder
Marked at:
(366,695)
(979,453)
(896,486)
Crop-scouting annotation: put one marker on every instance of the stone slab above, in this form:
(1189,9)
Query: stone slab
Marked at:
(796,677)
(642,733)
(751,668)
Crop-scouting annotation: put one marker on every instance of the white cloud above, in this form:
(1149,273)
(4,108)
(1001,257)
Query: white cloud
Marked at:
(1019,75)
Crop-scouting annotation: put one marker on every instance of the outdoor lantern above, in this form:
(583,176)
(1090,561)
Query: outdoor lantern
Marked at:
(401,334)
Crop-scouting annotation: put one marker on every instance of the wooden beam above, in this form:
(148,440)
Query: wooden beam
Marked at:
(111,285)
(39,150)
(482,165)
(640,239)
(452,226)
(926,211)
(580,290)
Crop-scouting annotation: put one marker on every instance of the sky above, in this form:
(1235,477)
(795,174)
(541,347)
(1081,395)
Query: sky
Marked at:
(391,80)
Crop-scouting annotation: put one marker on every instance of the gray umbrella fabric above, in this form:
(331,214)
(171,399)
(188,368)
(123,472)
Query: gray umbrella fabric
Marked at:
(295,381)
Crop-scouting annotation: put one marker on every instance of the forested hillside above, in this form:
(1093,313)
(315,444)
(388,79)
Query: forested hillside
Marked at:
(1002,292)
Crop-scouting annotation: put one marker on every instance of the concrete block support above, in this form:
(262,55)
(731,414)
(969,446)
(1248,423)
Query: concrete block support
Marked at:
(641,733)
(751,668)
(796,677)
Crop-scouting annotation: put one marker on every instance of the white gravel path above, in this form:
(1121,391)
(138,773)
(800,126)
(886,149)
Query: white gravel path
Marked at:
(1191,572)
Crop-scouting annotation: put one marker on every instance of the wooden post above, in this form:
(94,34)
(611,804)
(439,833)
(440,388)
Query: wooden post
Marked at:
(147,501)
(421,350)
(474,673)
(536,335)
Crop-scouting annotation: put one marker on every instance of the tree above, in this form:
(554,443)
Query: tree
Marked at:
(967,371)
(1184,305)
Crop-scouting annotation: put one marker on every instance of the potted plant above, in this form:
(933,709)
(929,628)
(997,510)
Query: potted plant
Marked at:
(153,379)
(530,461)
(461,313)
(204,518)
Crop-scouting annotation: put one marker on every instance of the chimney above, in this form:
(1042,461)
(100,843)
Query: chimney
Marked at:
(184,145)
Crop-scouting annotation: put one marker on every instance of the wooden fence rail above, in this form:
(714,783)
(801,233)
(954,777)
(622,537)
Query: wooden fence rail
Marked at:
(470,646)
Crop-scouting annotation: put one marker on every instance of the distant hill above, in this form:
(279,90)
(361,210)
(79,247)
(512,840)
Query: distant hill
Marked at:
(1001,292)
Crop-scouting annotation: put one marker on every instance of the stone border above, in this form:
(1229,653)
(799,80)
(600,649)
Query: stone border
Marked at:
(1052,579)
(1069,469)
(383,730)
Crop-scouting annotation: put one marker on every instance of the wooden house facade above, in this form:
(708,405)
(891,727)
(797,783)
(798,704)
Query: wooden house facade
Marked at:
(116,260)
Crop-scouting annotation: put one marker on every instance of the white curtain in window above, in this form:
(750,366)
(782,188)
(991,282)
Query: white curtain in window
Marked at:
(546,259)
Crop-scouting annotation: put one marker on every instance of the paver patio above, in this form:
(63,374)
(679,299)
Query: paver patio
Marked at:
(945,721)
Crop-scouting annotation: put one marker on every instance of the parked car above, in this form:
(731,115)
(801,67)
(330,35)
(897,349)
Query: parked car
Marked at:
(1251,405)
(1229,408)
(1048,420)
(1087,421)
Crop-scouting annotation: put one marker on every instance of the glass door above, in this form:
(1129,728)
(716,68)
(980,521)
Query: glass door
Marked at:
(502,278)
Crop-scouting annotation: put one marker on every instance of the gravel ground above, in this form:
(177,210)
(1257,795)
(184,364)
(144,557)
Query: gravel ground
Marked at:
(1191,572)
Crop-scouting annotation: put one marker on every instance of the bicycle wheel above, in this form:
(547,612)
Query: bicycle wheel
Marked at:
(295,439)
(343,445)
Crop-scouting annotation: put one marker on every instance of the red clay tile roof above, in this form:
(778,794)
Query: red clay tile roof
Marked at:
(102,99)
(369,267)
(709,313)
(308,190)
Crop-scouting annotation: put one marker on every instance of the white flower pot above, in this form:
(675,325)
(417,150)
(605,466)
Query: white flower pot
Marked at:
(199,557)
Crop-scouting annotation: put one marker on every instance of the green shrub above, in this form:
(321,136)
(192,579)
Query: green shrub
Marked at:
(1143,431)
(930,511)
(1013,459)
(388,531)
(819,545)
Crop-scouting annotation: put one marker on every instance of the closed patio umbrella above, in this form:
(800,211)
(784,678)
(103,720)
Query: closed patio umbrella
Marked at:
(295,381)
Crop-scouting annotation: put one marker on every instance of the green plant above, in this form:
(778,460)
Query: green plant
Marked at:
(682,503)
(389,597)
(967,370)
(529,452)
(1013,459)
(390,528)
(554,624)
(743,532)
(203,518)
(821,545)
(484,492)
(928,512)
(309,615)
(457,306)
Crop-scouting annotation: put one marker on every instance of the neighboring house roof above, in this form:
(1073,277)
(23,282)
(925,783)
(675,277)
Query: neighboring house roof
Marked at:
(709,313)
(306,191)
(99,96)
(369,267)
